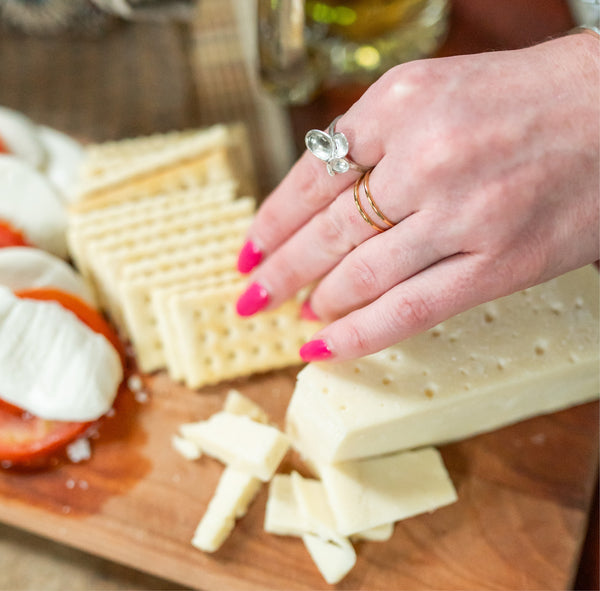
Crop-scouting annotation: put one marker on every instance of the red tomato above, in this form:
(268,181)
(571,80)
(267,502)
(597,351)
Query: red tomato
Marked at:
(24,437)
(9,236)
(3,147)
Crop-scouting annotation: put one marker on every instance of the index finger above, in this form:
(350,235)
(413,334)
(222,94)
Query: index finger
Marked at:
(307,189)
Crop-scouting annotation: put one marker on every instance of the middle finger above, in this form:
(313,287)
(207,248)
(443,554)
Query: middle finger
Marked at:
(331,234)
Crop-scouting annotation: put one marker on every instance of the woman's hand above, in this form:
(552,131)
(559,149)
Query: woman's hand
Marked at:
(489,167)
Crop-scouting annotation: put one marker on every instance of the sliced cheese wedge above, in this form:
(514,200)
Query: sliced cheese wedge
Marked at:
(282,514)
(235,491)
(26,268)
(371,492)
(53,365)
(239,442)
(529,353)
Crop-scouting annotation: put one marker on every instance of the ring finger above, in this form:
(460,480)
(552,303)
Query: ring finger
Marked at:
(332,234)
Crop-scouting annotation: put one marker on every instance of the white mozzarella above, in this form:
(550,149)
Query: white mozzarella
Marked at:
(22,267)
(53,365)
(20,135)
(30,204)
(64,157)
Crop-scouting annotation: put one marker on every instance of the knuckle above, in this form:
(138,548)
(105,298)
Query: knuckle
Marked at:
(364,276)
(355,339)
(411,314)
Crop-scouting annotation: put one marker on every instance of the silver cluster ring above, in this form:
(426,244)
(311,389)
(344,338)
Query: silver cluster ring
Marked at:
(332,147)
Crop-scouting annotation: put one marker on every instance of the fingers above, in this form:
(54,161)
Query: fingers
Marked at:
(420,302)
(310,188)
(330,235)
(382,262)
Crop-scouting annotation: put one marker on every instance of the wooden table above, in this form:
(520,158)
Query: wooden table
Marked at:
(525,491)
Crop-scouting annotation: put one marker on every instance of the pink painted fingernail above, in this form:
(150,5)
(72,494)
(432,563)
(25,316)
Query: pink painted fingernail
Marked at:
(315,351)
(306,312)
(253,300)
(249,257)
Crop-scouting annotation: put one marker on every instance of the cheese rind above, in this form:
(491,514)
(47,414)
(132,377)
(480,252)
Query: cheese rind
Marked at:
(371,492)
(234,493)
(529,353)
(52,364)
(239,442)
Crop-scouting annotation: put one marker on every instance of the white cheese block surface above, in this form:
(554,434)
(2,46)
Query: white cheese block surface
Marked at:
(25,268)
(532,352)
(53,365)
(30,204)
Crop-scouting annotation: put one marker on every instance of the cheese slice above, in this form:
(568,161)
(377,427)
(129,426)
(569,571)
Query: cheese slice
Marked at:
(239,442)
(238,404)
(24,268)
(532,352)
(333,561)
(235,492)
(30,204)
(282,514)
(53,365)
(371,492)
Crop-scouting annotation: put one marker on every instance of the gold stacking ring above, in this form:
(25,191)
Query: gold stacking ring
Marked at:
(364,179)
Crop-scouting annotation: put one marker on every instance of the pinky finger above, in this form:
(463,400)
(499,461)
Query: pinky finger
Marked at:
(422,301)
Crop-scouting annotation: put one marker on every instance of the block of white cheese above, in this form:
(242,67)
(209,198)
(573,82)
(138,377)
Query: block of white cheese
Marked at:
(29,203)
(53,365)
(529,353)
(22,267)
(375,491)
(235,492)
(239,442)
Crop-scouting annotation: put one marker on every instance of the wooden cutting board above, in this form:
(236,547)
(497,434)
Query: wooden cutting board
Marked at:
(524,493)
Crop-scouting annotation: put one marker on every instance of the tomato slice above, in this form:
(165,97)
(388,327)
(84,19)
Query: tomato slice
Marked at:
(3,147)
(24,437)
(10,236)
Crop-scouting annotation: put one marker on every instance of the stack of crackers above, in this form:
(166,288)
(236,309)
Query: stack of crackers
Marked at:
(157,229)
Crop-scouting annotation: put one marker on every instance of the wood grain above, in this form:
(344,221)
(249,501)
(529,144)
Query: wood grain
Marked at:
(524,492)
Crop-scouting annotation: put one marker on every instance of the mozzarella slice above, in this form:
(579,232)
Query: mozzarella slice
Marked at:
(64,159)
(53,365)
(20,135)
(30,204)
(25,268)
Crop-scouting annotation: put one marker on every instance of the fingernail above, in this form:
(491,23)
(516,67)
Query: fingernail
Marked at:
(249,257)
(315,351)
(307,313)
(253,300)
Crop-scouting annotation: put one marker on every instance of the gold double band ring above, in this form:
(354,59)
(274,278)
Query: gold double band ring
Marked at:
(364,180)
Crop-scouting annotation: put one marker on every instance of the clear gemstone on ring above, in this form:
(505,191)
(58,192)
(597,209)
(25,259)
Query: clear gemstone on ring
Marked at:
(320,144)
(341,145)
(339,165)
